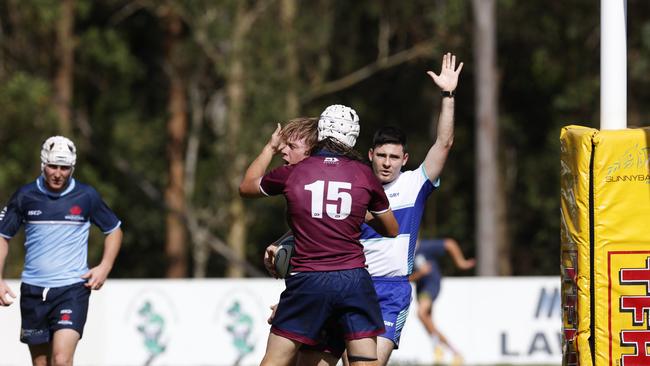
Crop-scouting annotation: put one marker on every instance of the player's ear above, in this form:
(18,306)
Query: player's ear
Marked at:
(406,158)
(370,153)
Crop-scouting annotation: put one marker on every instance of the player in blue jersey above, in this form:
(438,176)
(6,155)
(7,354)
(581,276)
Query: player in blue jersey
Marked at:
(390,260)
(427,277)
(56,211)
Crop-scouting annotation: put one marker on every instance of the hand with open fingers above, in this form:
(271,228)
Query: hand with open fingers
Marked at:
(448,78)
(6,295)
(269,260)
(96,277)
(275,142)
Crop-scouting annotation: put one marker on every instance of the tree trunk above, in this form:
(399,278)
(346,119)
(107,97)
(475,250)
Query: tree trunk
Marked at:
(235,92)
(176,235)
(489,208)
(2,56)
(288,16)
(200,248)
(63,82)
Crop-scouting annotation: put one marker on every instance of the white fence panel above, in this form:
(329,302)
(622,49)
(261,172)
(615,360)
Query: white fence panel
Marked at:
(512,320)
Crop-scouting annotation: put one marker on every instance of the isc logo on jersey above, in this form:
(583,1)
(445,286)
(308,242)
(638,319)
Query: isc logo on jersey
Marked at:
(34,213)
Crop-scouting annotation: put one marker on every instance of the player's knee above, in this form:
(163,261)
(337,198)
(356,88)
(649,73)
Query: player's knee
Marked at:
(39,361)
(362,361)
(61,359)
(267,362)
(423,312)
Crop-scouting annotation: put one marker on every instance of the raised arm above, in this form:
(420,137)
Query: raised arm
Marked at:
(250,184)
(447,82)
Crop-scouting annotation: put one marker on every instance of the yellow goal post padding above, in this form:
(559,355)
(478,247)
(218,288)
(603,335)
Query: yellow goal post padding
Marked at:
(605,246)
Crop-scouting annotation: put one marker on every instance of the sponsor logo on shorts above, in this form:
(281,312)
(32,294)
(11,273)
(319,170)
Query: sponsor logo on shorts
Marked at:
(25,333)
(65,318)
(34,213)
(389,324)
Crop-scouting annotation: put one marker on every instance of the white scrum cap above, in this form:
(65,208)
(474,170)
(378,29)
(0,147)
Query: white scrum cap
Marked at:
(58,150)
(339,122)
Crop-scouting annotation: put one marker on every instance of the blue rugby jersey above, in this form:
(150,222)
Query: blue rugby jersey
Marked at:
(56,230)
(393,257)
(430,251)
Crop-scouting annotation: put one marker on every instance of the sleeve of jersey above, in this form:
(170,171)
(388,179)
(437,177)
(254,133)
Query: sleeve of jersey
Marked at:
(379,202)
(273,182)
(103,216)
(425,177)
(11,217)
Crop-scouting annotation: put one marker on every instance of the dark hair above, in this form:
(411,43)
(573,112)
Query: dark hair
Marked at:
(335,146)
(389,135)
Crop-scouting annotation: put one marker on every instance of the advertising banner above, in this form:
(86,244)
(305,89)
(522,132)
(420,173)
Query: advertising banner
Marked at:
(224,322)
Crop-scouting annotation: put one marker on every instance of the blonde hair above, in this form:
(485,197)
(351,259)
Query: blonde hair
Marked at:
(302,128)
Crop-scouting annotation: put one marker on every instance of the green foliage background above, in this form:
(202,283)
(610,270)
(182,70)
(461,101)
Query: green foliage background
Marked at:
(548,58)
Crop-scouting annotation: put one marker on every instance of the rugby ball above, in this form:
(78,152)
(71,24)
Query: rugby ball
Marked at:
(283,256)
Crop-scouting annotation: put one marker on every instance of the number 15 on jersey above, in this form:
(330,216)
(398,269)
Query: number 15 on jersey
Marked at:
(335,192)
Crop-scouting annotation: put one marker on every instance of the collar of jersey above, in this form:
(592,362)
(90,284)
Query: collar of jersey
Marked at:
(324,152)
(40,184)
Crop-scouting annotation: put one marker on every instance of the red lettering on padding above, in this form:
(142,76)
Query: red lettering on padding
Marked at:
(639,340)
(637,305)
(637,276)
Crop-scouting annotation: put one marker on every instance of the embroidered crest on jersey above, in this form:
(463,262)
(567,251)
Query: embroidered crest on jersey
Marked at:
(75,214)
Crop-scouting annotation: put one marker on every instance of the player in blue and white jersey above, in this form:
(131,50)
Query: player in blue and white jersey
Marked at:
(390,260)
(56,211)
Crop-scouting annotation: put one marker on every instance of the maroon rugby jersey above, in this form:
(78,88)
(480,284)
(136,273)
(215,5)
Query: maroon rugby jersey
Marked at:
(327,198)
